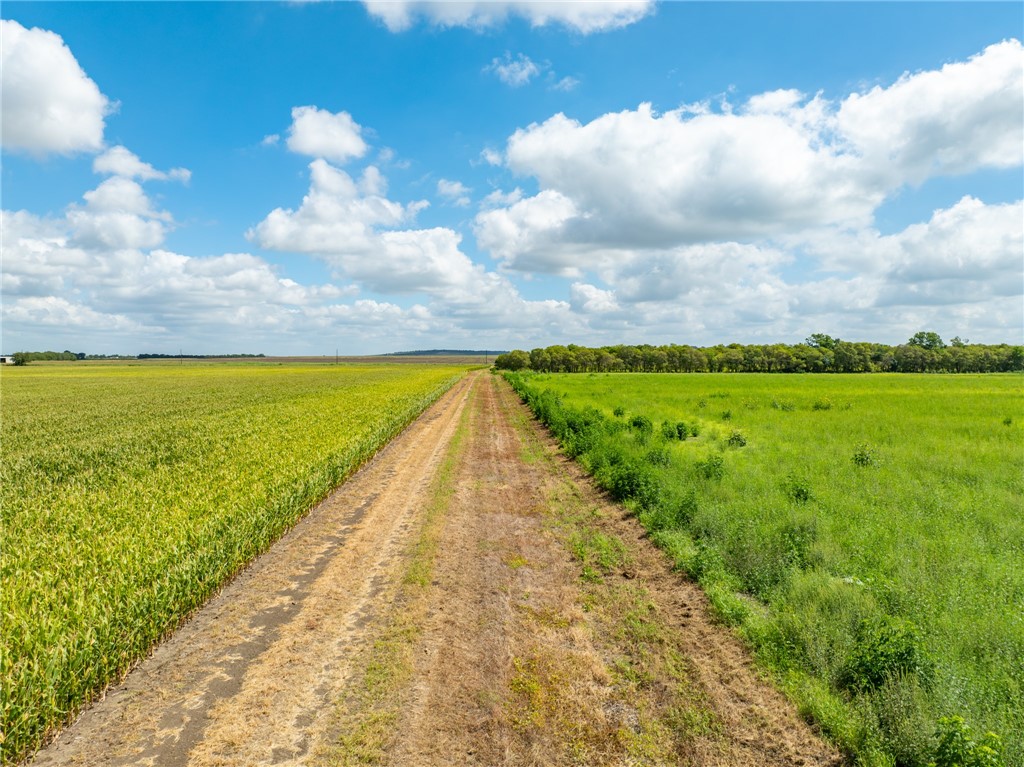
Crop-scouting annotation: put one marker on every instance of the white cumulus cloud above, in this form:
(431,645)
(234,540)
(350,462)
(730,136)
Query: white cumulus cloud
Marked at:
(454,191)
(780,164)
(118,214)
(319,133)
(119,161)
(50,106)
(514,72)
(964,116)
(584,16)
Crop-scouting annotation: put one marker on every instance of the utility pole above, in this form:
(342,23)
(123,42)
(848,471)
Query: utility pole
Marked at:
(335,355)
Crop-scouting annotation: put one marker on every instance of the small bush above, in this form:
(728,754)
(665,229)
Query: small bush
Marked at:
(633,481)
(797,488)
(642,424)
(659,456)
(823,403)
(619,412)
(884,648)
(675,516)
(784,406)
(682,432)
(1007,421)
(694,430)
(798,536)
(864,455)
(712,467)
(736,439)
(668,430)
(957,747)
(726,415)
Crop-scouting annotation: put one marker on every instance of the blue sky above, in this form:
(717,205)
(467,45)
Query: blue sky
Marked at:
(298,177)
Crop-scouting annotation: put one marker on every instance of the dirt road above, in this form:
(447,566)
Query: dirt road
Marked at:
(466,598)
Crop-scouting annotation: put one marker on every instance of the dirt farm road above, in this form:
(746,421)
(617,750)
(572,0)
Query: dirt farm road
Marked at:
(466,598)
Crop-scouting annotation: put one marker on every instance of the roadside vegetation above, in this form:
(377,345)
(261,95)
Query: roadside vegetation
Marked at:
(129,494)
(862,533)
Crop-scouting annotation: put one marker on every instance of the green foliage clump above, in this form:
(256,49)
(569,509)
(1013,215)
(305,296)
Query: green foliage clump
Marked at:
(865,455)
(736,439)
(885,647)
(958,748)
(642,424)
(797,488)
(712,467)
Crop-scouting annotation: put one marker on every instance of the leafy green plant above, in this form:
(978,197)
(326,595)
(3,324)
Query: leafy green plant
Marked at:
(736,439)
(668,430)
(712,467)
(659,456)
(642,424)
(885,647)
(797,488)
(864,455)
(958,748)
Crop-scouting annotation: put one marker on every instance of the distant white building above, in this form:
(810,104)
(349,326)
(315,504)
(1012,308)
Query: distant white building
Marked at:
(6,359)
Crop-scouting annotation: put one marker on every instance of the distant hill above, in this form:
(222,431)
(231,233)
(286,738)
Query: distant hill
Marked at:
(447,353)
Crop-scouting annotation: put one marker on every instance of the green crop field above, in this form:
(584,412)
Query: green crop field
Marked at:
(864,533)
(130,493)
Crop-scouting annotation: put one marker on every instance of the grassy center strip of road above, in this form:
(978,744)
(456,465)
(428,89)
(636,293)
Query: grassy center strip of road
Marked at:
(363,723)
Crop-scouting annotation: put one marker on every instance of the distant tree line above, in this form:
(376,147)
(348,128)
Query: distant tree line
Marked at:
(23,358)
(925,352)
(198,356)
(446,353)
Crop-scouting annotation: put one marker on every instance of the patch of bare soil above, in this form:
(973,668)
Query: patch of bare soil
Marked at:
(467,598)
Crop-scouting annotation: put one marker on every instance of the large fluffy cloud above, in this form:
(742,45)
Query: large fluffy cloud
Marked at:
(369,239)
(585,16)
(337,215)
(118,214)
(964,116)
(960,271)
(781,164)
(50,104)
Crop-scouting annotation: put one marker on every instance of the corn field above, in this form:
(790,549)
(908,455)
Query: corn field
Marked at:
(129,494)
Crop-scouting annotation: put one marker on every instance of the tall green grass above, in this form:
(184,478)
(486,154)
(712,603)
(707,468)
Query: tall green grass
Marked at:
(865,534)
(130,493)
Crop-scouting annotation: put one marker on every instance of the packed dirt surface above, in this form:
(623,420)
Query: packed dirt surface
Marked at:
(466,598)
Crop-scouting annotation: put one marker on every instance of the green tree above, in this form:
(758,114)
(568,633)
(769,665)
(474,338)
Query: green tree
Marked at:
(821,341)
(21,358)
(513,360)
(927,339)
